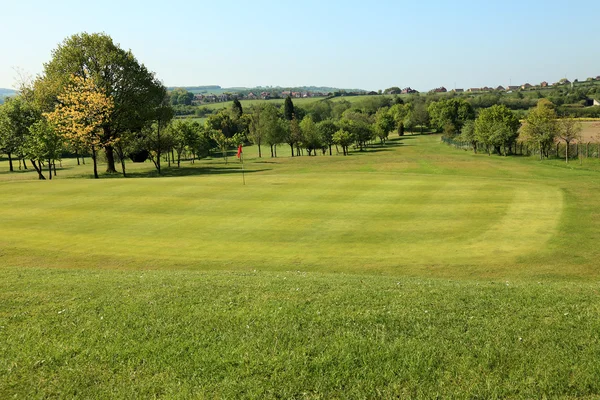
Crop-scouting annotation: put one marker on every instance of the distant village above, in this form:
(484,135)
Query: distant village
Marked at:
(267,95)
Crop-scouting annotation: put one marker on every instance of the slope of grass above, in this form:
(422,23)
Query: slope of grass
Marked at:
(411,270)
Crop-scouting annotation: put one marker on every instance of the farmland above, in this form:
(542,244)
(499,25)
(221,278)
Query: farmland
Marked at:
(412,269)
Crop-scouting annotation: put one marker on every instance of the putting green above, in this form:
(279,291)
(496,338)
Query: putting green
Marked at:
(346,222)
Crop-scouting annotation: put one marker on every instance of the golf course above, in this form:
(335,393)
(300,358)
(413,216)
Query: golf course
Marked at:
(412,269)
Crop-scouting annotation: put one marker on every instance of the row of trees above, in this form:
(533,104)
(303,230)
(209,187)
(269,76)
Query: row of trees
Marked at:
(497,129)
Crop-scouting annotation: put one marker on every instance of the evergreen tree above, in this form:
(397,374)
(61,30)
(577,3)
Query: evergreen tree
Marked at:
(288,110)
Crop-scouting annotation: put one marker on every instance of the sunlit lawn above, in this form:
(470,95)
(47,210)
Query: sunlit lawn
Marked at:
(412,269)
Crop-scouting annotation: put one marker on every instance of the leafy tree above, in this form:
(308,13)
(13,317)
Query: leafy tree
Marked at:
(236,109)
(275,130)
(163,114)
(294,136)
(223,122)
(418,117)
(392,90)
(541,127)
(326,130)
(43,143)
(467,134)
(288,109)
(321,110)
(384,123)
(82,111)
(256,130)
(310,135)
(344,139)
(180,96)
(498,127)
(359,125)
(16,116)
(569,129)
(450,115)
(135,91)
(222,141)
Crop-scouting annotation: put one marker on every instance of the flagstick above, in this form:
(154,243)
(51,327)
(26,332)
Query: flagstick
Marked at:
(243,176)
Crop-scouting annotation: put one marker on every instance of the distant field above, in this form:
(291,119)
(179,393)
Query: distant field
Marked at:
(412,270)
(591,131)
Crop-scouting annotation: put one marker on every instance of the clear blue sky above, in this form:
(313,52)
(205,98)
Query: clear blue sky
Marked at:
(350,44)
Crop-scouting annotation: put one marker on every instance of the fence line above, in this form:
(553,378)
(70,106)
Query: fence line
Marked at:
(585,150)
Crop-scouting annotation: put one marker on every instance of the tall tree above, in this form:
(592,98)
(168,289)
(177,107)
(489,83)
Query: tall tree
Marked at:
(288,109)
(81,113)
(498,127)
(541,127)
(310,135)
(384,123)
(236,109)
(450,115)
(43,144)
(134,90)
(327,129)
(256,131)
(569,129)
(16,116)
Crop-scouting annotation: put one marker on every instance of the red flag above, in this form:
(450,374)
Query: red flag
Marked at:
(239,154)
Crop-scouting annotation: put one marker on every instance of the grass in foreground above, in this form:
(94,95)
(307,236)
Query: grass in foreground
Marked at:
(457,275)
(144,334)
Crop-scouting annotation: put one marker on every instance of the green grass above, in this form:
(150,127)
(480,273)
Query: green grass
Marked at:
(412,270)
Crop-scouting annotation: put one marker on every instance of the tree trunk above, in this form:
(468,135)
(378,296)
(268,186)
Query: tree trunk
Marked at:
(95,163)
(77,156)
(24,164)
(292,148)
(179,159)
(123,166)
(272,152)
(54,166)
(157,163)
(110,159)
(329,149)
(259,153)
(10,163)
(38,170)
(49,169)
(83,159)
(275,150)
(567,153)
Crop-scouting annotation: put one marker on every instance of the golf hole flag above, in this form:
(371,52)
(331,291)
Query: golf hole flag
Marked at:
(239,154)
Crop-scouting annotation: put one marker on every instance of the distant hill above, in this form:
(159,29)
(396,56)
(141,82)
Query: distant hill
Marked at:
(215,89)
(6,93)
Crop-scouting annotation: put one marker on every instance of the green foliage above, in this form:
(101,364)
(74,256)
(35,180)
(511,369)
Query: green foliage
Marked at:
(359,125)
(497,127)
(180,96)
(16,117)
(450,115)
(135,91)
(541,127)
(236,109)
(344,139)
(384,123)
(288,109)
(311,137)
(326,130)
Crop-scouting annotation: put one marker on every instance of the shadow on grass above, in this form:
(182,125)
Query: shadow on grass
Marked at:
(174,172)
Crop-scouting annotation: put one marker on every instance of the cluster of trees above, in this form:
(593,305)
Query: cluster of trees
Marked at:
(497,129)
(92,97)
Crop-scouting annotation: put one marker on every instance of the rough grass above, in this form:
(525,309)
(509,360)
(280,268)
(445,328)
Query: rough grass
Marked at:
(411,270)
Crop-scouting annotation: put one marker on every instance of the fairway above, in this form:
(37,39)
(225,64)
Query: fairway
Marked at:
(400,209)
(413,269)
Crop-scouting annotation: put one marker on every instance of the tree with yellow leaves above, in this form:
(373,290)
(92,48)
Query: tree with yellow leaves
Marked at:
(80,114)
